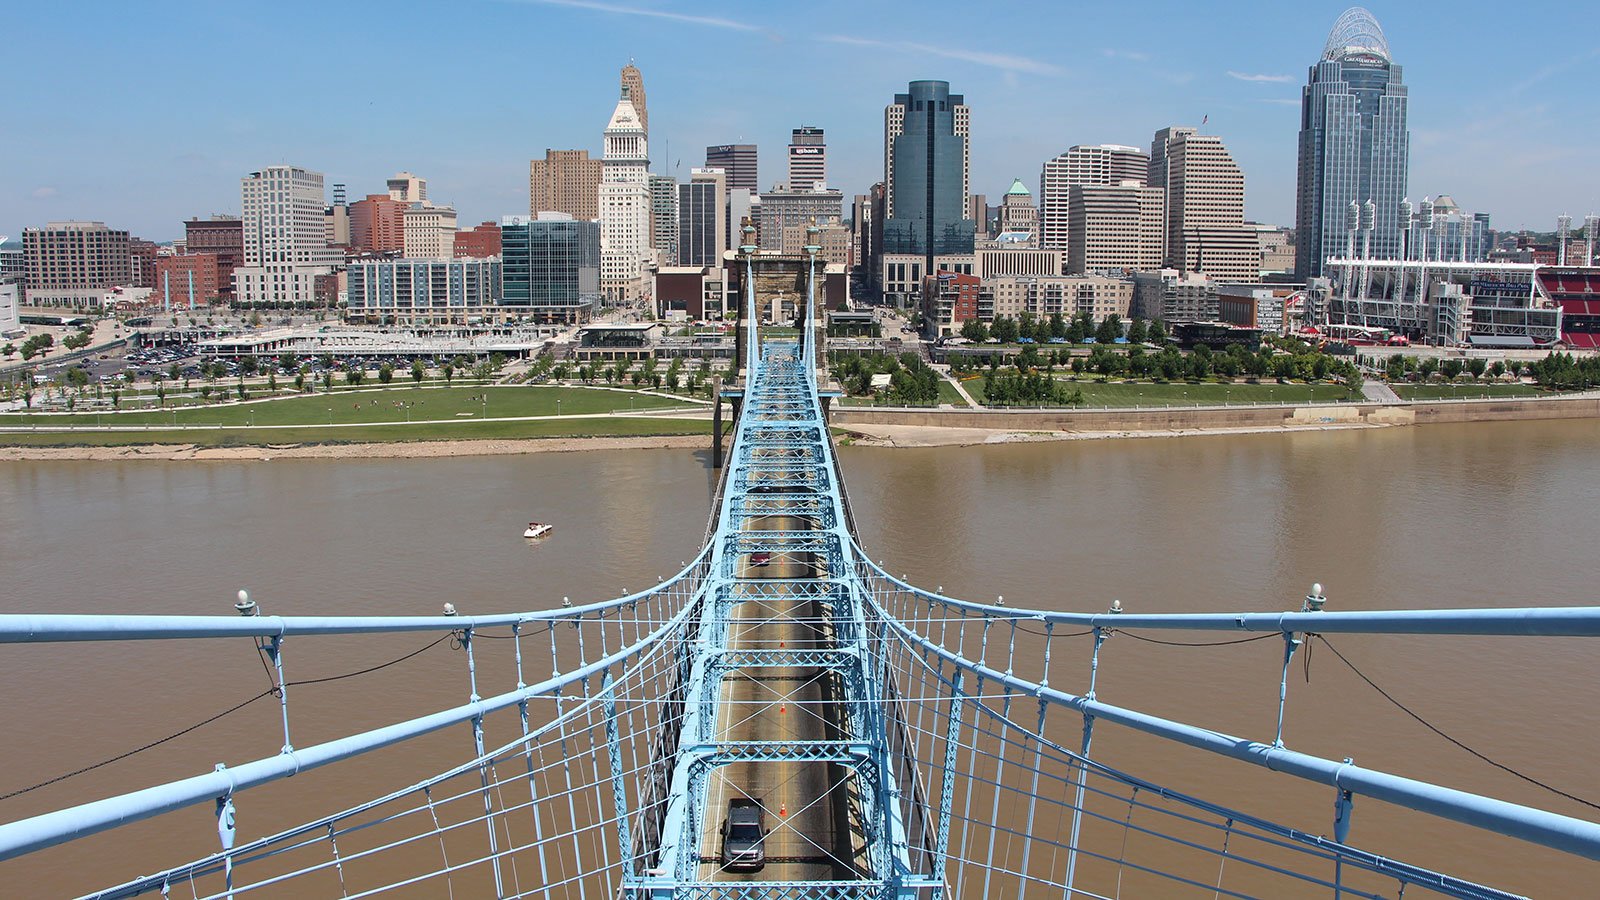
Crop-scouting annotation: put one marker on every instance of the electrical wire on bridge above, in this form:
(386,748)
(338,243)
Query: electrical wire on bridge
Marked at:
(1440,732)
(269,692)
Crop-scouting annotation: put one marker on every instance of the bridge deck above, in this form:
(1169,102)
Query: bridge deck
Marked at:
(805,802)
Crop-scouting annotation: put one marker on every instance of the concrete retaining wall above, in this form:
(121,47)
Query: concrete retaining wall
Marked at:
(1212,417)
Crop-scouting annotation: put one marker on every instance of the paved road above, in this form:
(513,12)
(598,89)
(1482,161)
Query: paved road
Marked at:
(805,802)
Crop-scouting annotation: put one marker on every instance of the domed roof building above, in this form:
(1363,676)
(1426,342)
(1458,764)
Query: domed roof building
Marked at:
(1354,145)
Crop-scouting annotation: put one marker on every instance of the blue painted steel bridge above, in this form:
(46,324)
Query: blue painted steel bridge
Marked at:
(898,742)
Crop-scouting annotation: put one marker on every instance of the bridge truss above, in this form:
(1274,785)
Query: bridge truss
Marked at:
(901,743)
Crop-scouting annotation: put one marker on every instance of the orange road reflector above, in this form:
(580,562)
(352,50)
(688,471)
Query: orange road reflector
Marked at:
(781,709)
(783,810)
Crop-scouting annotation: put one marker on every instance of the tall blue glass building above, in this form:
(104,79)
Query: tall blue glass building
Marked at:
(928,211)
(550,267)
(1353,144)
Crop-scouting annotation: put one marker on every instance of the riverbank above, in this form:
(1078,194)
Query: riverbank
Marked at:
(392,450)
(954,427)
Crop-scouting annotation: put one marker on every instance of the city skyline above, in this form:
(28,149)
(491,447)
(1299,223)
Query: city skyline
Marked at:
(1493,136)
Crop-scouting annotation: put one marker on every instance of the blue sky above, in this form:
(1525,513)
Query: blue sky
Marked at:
(141,115)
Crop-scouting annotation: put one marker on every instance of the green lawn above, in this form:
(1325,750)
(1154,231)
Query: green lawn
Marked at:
(1463,391)
(379,406)
(949,394)
(1117,394)
(465,430)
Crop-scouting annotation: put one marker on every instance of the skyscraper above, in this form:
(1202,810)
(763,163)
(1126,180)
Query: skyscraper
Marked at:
(664,217)
(1018,215)
(1083,164)
(1206,233)
(925,175)
(551,267)
(1354,145)
(565,181)
(285,247)
(702,216)
(633,89)
(408,188)
(808,158)
(894,125)
(739,161)
(377,224)
(624,201)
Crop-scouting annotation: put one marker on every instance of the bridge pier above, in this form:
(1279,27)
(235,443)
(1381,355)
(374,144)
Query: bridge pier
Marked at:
(716,423)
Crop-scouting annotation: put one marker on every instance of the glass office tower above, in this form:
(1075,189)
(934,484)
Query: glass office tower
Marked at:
(928,217)
(1354,145)
(550,267)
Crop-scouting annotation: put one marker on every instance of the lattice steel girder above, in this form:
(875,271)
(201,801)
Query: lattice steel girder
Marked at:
(775,890)
(783,475)
(743,542)
(739,590)
(699,760)
(833,659)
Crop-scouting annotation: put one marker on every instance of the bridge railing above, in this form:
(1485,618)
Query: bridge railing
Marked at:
(997,661)
(607,660)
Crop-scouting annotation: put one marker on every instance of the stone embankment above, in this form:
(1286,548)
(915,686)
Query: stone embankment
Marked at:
(899,426)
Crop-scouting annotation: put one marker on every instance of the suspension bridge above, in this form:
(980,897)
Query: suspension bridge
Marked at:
(897,742)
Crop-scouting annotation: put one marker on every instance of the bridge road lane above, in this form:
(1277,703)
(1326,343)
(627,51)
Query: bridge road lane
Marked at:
(777,703)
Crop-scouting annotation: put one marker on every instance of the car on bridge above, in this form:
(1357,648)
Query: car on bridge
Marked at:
(744,836)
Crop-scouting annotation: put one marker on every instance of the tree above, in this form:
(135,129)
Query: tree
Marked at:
(418,370)
(287,361)
(116,398)
(1156,333)
(1427,367)
(1075,333)
(386,373)
(1058,326)
(173,371)
(975,331)
(354,375)
(327,381)
(27,391)
(1109,330)
(1005,330)
(1136,331)
(272,382)
(161,393)
(9,350)
(248,365)
(1477,366)
(449,373)
(255,319)
(1450,369)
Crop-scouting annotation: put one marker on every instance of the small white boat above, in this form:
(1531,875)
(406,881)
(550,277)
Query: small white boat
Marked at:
(538,530)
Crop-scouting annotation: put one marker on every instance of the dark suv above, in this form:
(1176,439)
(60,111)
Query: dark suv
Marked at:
(744,836)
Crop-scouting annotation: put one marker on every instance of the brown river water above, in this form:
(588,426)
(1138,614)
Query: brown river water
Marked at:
(1471,515)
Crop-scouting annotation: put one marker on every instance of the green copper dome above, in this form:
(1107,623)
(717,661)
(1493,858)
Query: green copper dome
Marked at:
(1018,188)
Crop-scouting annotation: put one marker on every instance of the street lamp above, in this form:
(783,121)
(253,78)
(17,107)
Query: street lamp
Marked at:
(558,407)
(330,415)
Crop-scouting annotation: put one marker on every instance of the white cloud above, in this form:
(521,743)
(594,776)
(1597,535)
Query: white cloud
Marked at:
(1278,101)
(618,9)
(1267,79)
(1003,61)
(41,193)
(1134,55)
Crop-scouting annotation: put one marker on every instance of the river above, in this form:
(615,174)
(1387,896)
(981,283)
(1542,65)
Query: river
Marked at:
(1469,515)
